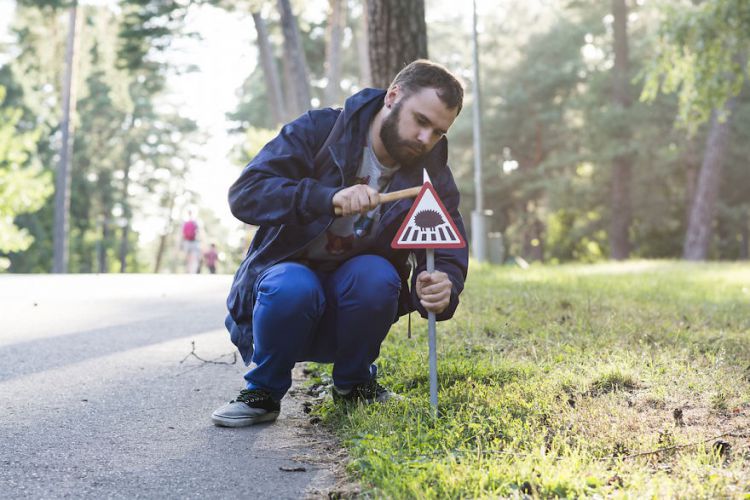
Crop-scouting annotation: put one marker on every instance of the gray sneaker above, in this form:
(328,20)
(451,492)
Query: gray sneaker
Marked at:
(252,406)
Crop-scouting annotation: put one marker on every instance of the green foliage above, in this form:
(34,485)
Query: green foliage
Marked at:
(549,377)
(547,110)
(255,139)
(702,52)
(23,186)
(130,156)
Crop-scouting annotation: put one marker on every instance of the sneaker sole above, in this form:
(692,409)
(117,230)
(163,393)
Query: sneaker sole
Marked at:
(222,421)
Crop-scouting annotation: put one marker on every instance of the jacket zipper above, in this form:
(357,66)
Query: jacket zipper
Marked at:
(341,176)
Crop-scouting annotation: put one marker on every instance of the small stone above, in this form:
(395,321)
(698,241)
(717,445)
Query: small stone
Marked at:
(292,469)
(615,481)
(526,488)
(677,414)
(722,448)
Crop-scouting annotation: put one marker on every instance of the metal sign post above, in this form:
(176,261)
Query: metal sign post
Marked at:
(428,226)
(432,336)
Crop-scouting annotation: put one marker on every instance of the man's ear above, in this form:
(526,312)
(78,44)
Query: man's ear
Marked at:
(392,96)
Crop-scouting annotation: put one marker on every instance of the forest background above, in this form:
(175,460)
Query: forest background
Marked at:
(616,129)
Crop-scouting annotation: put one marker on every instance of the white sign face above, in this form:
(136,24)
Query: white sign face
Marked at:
(428,224)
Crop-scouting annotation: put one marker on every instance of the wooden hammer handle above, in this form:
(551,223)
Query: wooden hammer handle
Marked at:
(396,195)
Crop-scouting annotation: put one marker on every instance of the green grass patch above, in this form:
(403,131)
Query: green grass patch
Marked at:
(579,380)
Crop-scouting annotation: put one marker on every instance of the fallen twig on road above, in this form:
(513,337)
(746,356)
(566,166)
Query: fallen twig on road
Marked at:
(211,361)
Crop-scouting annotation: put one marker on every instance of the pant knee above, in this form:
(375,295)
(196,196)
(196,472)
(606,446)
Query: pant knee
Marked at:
(290,289)
(369,279)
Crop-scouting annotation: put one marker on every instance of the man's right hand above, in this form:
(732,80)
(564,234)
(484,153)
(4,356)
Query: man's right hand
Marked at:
(357,199)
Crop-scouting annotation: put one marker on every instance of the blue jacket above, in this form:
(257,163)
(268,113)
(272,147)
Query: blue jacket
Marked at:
(288,195)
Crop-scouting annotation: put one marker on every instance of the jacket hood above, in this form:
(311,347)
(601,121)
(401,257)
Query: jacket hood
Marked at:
(372,99)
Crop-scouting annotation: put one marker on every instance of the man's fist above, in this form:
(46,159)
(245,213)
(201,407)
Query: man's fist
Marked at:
(434,290)
(357,199)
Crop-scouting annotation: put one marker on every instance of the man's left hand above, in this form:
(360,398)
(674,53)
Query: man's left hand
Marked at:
(434,290)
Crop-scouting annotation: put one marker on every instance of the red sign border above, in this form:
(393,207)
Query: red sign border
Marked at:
(406,246)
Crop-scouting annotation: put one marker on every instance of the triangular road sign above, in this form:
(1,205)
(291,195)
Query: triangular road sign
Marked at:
(428,224)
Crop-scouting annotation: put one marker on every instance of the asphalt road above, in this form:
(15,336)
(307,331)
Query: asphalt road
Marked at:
(99,397)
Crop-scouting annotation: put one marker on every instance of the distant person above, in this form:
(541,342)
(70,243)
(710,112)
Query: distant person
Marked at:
(191,245)
(210,257)
(316,287)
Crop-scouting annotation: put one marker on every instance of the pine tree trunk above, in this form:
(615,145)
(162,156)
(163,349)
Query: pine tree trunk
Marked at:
(163,238)
(703,209)
(105,190)
(745,238)
(619,238)
(397,34)
(363,56)
(300,77)
(270,70)
(63,176)
(126,214)
(291,105)
(125,199)
(102,257)
(336,22)
(691,160)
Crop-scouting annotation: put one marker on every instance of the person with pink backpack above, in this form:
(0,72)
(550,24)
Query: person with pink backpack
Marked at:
(191,245)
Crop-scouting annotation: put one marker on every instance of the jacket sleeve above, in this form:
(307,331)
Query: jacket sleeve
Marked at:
(278,186)
(452,261)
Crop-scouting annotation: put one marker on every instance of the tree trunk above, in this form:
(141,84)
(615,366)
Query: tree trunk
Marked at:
(698,237)
(126,212)
(691,161)
(167,231)
(397,34)
(291,105)
(336,22)
(62,181)
(104,188)
(619,237)
(270,70)
(126,216)
(362,41)
(533,242)
(300,77)
(745,237)
(103,267)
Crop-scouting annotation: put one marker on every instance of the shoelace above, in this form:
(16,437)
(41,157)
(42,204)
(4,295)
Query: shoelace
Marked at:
(371,389)
(251,396)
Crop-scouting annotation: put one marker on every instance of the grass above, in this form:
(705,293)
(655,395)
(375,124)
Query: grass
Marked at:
(567,382)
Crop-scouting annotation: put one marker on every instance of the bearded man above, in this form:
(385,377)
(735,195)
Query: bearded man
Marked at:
(320,281)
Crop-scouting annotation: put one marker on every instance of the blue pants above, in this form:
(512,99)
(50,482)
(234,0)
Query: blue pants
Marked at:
(340,317)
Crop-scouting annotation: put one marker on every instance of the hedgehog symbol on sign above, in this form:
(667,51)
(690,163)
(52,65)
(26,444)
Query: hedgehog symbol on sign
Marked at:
(428,224)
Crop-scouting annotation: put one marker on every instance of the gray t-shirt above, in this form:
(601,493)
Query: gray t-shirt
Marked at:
(352,235)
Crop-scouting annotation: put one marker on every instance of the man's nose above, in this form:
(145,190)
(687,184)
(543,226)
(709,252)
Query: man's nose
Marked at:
(424,135)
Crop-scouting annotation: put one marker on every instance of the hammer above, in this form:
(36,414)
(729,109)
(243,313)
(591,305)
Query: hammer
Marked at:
(396,195)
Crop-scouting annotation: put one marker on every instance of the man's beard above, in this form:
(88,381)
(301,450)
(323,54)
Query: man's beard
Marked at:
(405,152)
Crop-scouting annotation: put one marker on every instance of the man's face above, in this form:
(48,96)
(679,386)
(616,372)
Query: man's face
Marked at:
(414,125)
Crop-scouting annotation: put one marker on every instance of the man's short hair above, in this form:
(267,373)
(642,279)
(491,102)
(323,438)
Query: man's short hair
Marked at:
(422,74)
